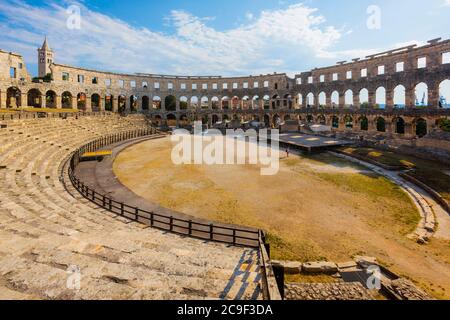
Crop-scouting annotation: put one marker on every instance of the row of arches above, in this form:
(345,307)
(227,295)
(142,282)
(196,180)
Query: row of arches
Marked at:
(398,99)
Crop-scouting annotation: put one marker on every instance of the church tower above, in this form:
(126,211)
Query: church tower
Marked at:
(45,59)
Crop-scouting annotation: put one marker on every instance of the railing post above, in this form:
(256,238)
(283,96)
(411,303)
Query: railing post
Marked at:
(151,219)
(136,213)
(211,230)
(110,204)
(121,209)
(104,201)
(190,227)
(234,237)
(171,223)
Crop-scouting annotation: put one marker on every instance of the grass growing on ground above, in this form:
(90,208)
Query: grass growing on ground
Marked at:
(432,173)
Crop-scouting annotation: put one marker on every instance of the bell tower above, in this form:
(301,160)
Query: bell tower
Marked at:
(45,59)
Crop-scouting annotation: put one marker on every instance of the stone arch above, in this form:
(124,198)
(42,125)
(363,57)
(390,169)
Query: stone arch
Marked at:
(157,120)
(364,97)
(145,103)
(300,99)
(349,98)
(348,121)
(34,98)
(95,102)
(171,103)
(156,103)
(194,102)
(335,98)
(421,95)
(13,97)
(267,120)
(133,103)
(310,99)
(256,102)
(50,99)
(276,120)
(266,100)
(109,98)
(204,103)
(399,125)
(171,120)
(215,103)
(380,97)
(183,103)
(246,102)
(235,101)
(322,99)
(81,101)
(363,123)
(66,100)
(225,103)
(400,96)
(421,127)
(184,120)
(276,101)
(335,122)
(321,119)
(287,101)
(381,124)
(214,118)
(121,103)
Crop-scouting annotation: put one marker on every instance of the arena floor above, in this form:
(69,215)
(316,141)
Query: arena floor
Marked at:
(317,207)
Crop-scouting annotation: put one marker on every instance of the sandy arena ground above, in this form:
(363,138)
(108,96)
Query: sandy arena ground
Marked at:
(316,208)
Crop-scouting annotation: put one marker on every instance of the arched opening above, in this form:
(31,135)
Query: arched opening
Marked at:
(399,97)
(380,98)
(399,124)
(245,103)
(95,102)
(156,103)
(184,121)
(145,103)
(215,103)
(66,100)
(444,94)
(256,102)
(321,119)
(287,101)
(171,103)
(309,118)
(81,101)
(348,120)
(50,99)
(334,99)
(133,103)
(205,119)
(364,123)
(235,103)
(421,95)
(194,103)
(13,97)
(171,120)
(349,98)
(215,118)
(335,122)
(276,101)
(225,103)
(157,120)
(109,102)
(34,98)
(421,127)
(266,100)
(381,124)
(204,103)
(183,103)
(310,99)
(322,99)
(121,103)
(364,98)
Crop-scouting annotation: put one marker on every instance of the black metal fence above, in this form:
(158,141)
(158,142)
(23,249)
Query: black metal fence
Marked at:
(191,228)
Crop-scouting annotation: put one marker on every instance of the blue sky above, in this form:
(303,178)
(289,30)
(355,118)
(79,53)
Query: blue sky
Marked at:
(217,37)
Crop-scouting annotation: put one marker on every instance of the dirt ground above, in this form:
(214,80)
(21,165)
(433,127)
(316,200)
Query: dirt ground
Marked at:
(316,208)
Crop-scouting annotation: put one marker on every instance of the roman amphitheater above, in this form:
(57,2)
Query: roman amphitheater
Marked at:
(92,206)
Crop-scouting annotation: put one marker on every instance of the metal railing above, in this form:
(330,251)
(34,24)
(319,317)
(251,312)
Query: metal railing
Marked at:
(206,231)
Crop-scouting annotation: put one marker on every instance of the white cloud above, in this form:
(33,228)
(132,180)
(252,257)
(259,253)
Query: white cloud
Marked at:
(274,41)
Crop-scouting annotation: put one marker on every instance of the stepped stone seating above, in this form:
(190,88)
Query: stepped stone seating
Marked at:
(47,235)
